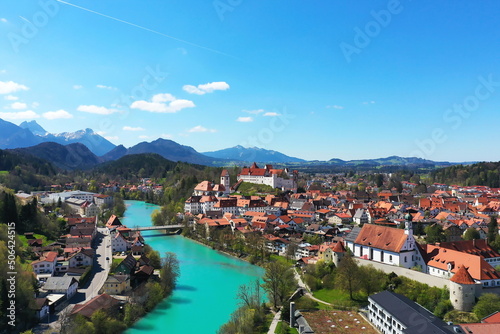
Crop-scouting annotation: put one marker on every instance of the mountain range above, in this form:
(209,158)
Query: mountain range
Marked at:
(251,154)
(94,142)
(85,149)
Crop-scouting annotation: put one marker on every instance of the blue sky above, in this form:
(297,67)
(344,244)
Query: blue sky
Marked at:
(311,79)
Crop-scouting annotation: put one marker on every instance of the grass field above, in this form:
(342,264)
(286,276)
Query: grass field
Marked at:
(340,298)
(45,241)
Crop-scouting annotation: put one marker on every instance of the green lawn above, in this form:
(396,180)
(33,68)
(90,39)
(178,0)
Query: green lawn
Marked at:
(278,258)
(4,172)
(289,330)
(339,298)
(45,241)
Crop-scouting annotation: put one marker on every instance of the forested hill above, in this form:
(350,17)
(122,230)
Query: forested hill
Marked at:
(150,165)
(483,173)
(25,172)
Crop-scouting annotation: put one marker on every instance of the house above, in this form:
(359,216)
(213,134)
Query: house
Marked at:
(102,200)
(82,258)
(116,285)
(113,221)
(100,302)
(46,264)
(66,285)
(127,266)
(360,217)
(276,178)
(385,244)
(340,219)
(41,307)
(390,312)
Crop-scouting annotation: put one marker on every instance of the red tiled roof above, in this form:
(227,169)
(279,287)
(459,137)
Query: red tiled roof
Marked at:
(99,302)
(382,237)
(492,318)
(462,276)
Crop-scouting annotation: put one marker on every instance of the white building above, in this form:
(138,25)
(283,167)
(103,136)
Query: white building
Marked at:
(276,178)
(386,245)
(46,264)
(393,313)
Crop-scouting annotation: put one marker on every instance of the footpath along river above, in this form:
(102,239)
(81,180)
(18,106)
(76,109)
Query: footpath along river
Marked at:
(206,290)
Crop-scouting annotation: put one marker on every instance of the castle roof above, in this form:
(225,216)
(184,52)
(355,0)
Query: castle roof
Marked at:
(462,276)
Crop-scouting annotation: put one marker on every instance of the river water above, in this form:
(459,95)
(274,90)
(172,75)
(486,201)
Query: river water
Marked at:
(205,295)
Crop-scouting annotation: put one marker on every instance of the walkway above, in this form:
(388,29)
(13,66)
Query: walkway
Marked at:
(306,288)
(274,323)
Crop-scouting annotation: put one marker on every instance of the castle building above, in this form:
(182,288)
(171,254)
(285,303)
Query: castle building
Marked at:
(276,178)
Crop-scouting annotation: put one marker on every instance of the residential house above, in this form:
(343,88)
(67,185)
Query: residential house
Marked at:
(46,264)
(82,258)
(66,285)
(41,308)
(116,285)
(101,302)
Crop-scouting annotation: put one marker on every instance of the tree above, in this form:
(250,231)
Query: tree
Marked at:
(435,234)
(347,277)
(486,305)
(278,282)
(471,234)
(169,273)
(372,280)
(250,295)
(492,229)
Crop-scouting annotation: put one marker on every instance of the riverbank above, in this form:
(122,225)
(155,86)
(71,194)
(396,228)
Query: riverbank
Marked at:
(208,276)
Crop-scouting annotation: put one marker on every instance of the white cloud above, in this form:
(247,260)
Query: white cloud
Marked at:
(166,136)
(254,112)
(335,107)
(206,88)
(96,110)
(144,137)
(271,114)
(159,104)
(200,128)
(7,87)
(100,133)
(369,102)
(4,20)
(159,98)
(182,51)
(3,71)
(112,138)
(244,119)
(18,106)
(28,114)
(11,98)
(77,86)
(129,128)
(35,105)
(58,114)
(105,87)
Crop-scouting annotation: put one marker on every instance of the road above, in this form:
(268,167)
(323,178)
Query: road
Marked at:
(101,266)
(100,270)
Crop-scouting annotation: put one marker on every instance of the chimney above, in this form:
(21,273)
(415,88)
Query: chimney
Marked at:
(292,314)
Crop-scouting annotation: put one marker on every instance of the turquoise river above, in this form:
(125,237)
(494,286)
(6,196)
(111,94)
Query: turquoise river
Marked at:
(205,295)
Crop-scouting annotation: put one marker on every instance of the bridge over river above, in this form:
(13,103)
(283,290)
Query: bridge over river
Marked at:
(157,228)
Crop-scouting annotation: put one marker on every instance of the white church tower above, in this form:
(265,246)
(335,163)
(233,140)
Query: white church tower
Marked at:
(224,180)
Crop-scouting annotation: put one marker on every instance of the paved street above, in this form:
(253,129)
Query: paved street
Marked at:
(101,266)
(100,270)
